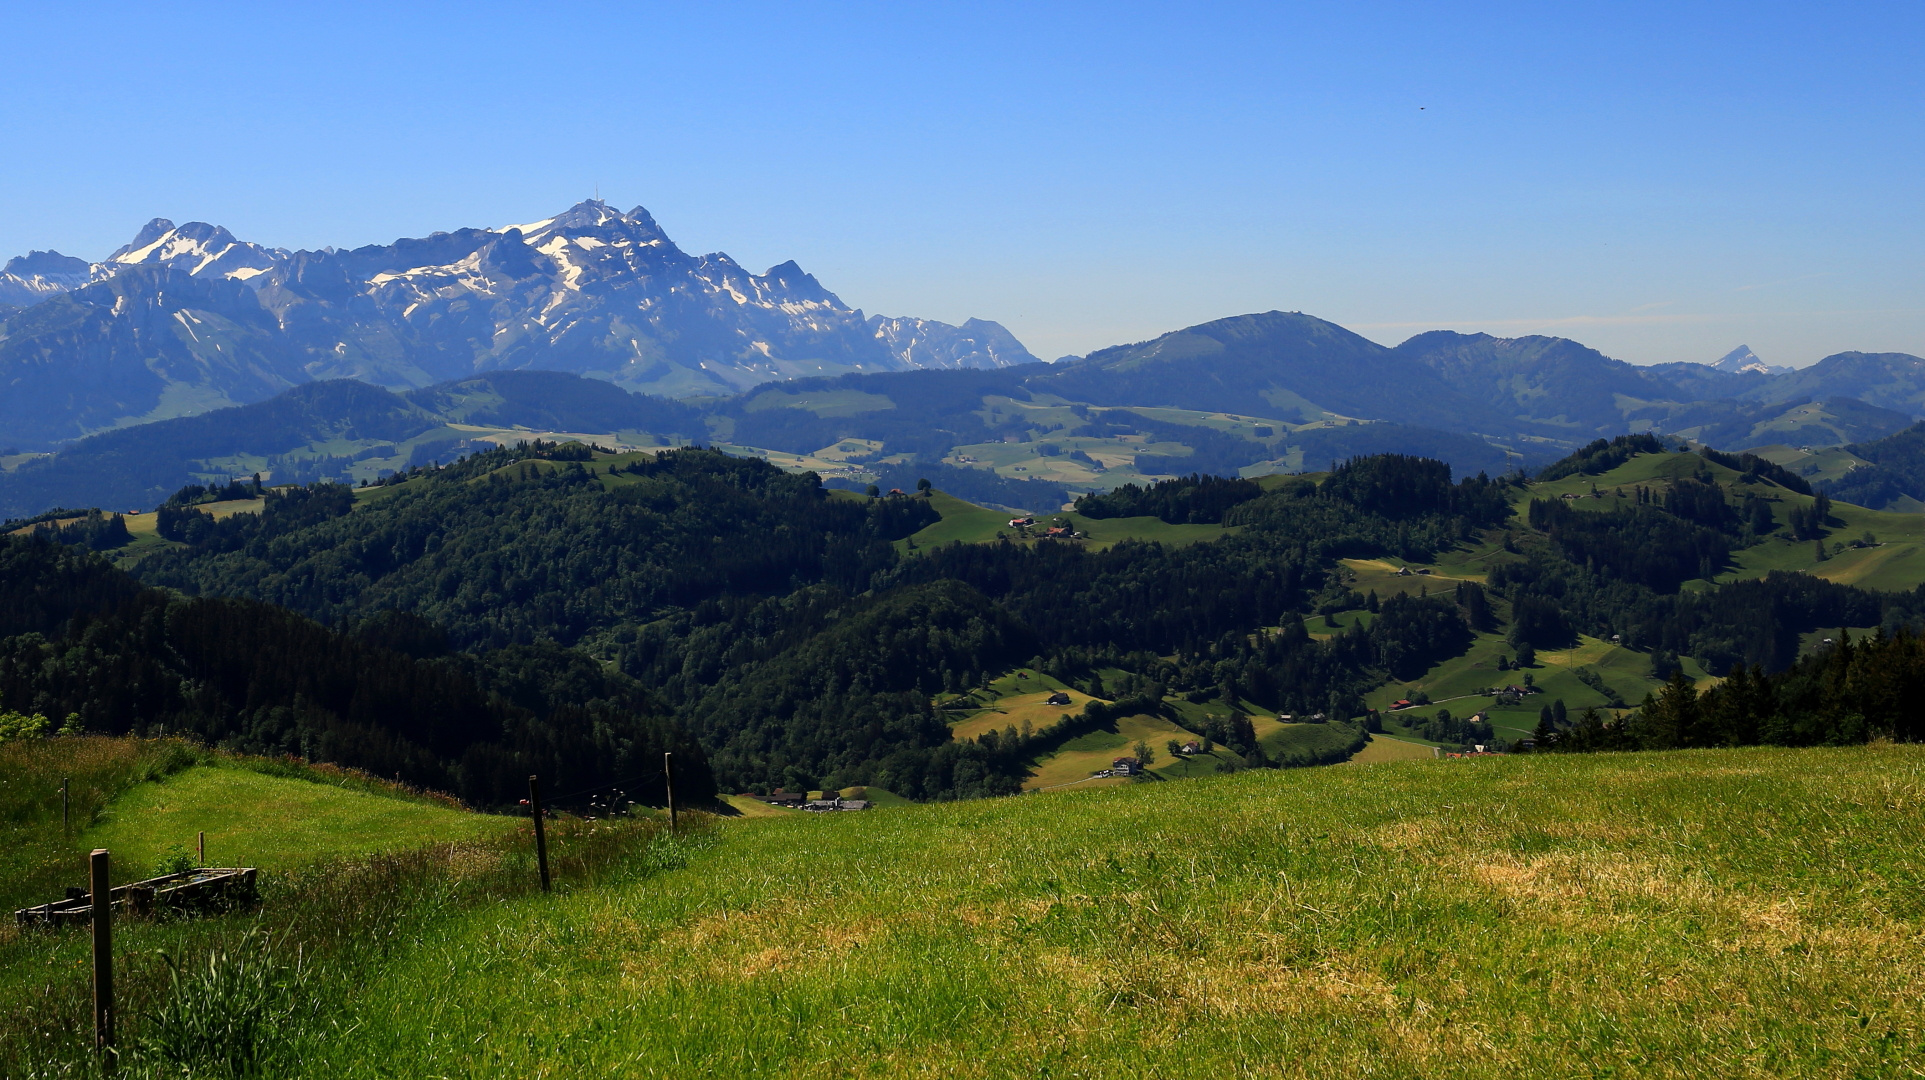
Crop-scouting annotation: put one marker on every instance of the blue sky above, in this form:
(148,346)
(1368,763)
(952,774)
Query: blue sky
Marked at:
(1661,181)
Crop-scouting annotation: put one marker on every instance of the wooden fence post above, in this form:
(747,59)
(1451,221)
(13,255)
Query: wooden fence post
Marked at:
(201,846)
(668,778)
(102,897)
(65,822)
(541,834)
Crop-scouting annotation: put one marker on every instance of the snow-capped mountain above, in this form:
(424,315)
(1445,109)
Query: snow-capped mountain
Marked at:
(196,248)
(1742,359)
(33,277)
(591,290)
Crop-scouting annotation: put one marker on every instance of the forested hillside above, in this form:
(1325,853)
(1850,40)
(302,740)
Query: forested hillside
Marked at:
(1897,471)
(558,600)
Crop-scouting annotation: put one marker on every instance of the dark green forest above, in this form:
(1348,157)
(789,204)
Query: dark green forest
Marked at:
(1897,470)
(84,644)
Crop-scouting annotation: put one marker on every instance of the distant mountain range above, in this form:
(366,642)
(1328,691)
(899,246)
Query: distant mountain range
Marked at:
(1277,391)
(188,318)
(190,354)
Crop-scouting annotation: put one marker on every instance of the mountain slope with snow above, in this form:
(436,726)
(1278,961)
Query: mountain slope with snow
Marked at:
(592,290)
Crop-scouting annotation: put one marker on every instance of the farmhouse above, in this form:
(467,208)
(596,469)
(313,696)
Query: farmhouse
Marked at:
(831,805)
(1126,766)
(1058,698)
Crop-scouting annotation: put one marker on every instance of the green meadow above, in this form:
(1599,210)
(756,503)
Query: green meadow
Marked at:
(1458,684)
(1709,913)
(289,821)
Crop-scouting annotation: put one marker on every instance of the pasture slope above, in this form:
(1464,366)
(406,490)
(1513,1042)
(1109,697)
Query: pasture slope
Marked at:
(1017,702)
(255,819)
(1709,913)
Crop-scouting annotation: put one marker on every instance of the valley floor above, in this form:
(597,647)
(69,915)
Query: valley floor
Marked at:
(1711,913)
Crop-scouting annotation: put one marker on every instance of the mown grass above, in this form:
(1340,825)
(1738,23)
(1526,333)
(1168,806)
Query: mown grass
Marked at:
(1713,913)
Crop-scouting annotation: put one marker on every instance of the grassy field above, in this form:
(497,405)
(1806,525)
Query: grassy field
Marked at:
(1016,709)
(971,524)
(1383,748)
(744,806)
(1300,742)
(1381,576)
(1713,913)
(252,819)
(1814,464)
(961,521)
(38,856)
(1456,684)
(1081,756)
(1018,697)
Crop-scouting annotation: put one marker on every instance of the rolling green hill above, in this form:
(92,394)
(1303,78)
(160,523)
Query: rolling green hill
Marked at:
(1894,562)
(253,818)
(143,799)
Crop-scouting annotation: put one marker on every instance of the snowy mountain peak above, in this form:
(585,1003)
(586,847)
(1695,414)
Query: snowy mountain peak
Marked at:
(196,248)
(1742,359)
(593,217)
(148,233)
